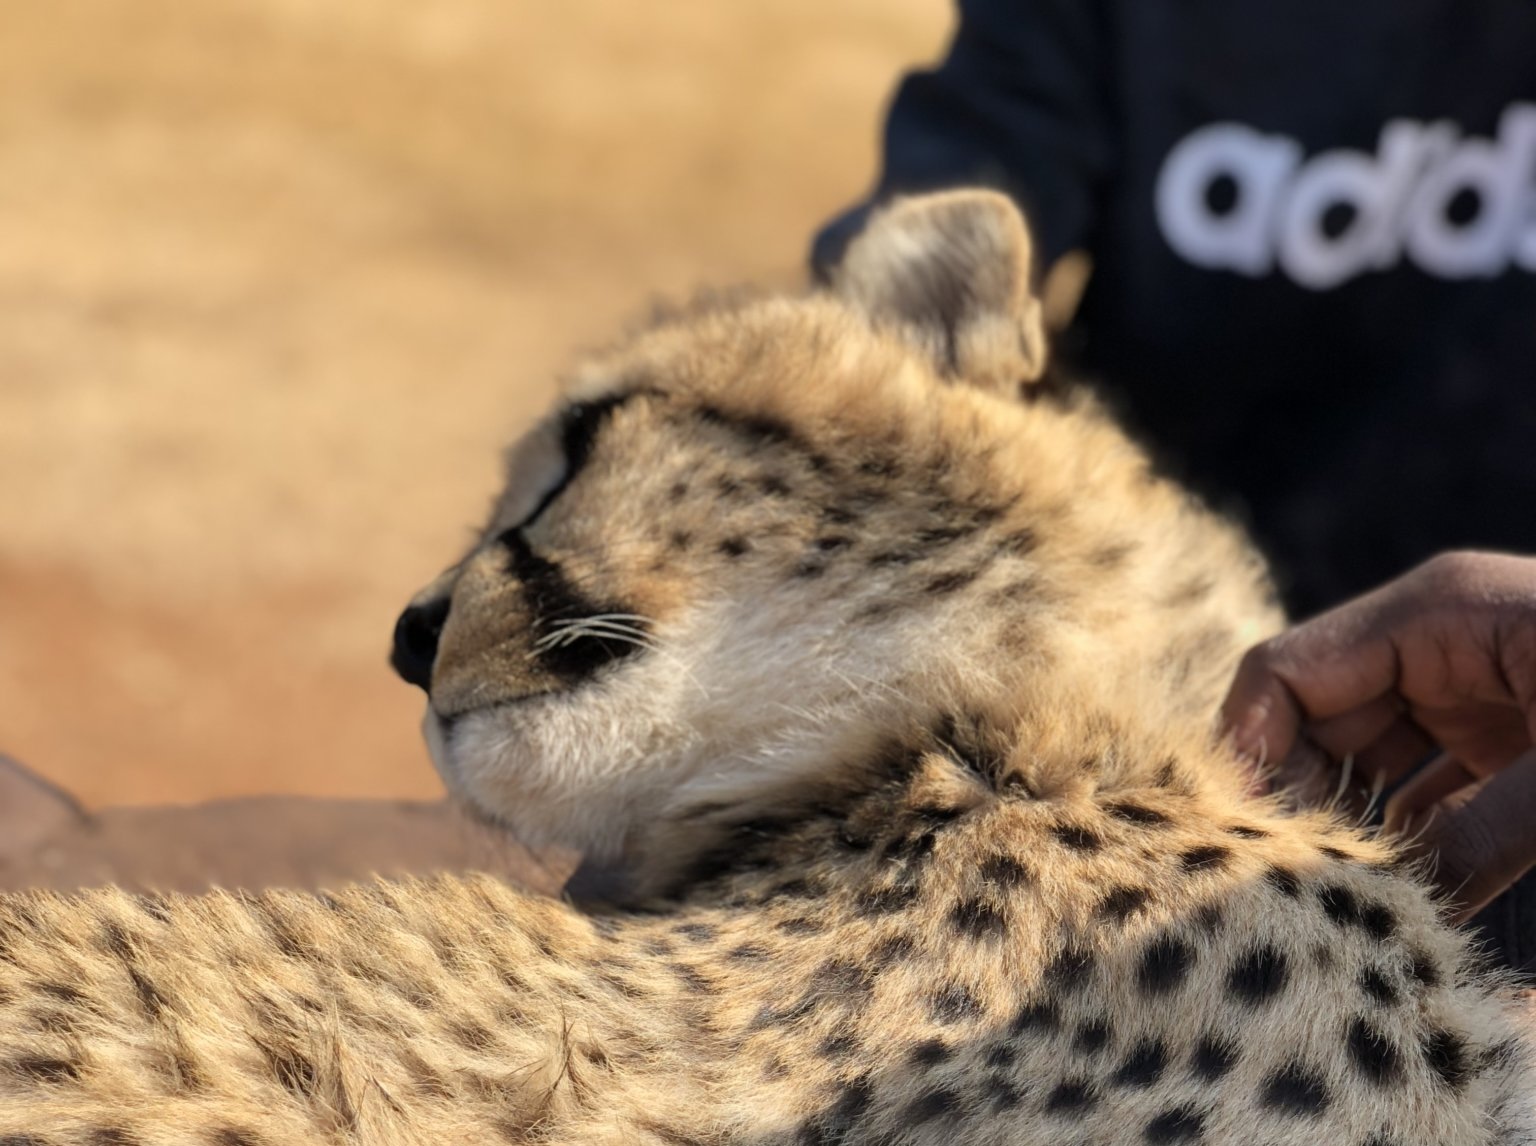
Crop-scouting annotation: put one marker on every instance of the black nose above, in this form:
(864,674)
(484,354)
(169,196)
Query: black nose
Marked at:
(416,635)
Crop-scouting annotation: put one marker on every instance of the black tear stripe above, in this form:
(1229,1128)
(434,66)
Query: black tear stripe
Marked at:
(551,599)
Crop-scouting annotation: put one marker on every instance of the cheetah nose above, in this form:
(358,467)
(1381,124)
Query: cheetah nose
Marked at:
(416,636)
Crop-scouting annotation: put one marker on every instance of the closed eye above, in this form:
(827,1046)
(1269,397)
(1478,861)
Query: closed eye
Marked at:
(579,427)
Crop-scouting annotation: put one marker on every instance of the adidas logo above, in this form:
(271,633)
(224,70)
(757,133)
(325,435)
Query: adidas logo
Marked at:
(1232,198)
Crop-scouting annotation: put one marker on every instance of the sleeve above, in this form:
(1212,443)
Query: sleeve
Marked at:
(1018,104)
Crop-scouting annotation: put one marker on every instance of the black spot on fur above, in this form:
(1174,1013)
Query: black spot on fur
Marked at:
(837,1047)
(978,919)
(697,932)
(1077,837)
(1378,920)
(1002,1093)
(106,1136)
(840,980)
(936,815)
(1293,1089)
(1036,1018)
(885,900)
(1070,971)
(1144,1065)
(890,557)
(45,1068)
(892,949)
(831,544)
(943,534)
(792,889)
(1424,970)
(1376,983)
(293,1069)
(1335,853)
(1243,831)
(1122,902)
(771,485)
(472,1036)
(953,1004)
(1446,1055)
(1072,1098)
(1206,857)
(1136,814)
(1164,964)
(1373,1054)
(116,941)
(1210,918)
(800,925)
(1000,1055)
(951,582)
(1179,1125)
(1339,904)
(1005,871)
(23,1140)
(852,841)
(234,1136)
(1017,543)
(835,1123)
(1285,881)
(734,546)
(941,1103)
(930,1052)
(1213,1057)
(909,848)
(1092,1037)
(1259,976)
(63,992)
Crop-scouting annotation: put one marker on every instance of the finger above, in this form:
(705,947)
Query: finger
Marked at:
(1486,843)
(1353,731)
(1395,753)
(1439,779)
(1331,665)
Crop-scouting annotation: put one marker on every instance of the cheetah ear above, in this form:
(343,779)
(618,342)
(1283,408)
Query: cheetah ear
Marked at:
(952,270)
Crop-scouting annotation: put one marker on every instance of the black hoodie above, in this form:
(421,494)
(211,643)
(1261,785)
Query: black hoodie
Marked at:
(1313,231)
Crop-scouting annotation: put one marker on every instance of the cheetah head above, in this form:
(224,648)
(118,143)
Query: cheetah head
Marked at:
(751,539)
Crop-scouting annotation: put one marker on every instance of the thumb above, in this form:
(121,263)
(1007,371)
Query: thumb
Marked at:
(1485,839)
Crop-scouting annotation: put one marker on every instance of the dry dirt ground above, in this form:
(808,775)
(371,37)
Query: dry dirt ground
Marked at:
(277,281)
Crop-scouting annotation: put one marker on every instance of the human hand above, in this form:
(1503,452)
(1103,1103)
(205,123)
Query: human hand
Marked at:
(1441,659)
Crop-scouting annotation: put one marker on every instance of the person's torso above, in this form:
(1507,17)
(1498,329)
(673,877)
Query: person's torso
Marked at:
(1315,270)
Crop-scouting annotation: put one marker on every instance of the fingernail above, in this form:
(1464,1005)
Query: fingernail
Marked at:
(1248,732)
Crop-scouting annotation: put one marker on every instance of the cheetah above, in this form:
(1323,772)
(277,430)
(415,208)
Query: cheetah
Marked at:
(874,677)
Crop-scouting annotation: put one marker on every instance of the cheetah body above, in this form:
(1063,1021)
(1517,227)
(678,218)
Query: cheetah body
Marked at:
(879,698)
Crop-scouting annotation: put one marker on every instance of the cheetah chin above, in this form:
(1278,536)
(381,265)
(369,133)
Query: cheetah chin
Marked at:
(875,677)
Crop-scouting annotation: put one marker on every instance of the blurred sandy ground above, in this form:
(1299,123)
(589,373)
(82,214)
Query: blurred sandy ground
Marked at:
(278,278)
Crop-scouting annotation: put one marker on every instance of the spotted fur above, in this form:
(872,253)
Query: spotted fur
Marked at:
(877,687)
